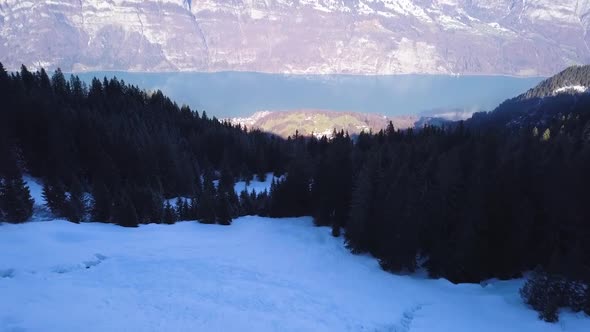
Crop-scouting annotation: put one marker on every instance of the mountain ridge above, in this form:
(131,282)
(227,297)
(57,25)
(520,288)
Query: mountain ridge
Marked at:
(556,99)
(372,37)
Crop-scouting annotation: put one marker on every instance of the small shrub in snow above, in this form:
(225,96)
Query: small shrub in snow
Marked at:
(546,293)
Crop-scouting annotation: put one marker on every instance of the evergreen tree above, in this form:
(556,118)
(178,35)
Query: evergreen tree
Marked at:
(59,84)
(170,215)
(360,230)
(226,191)
(246,203)
(102,204)
(124,213)
(156,208)
(207,209)
(181,209)
(224,215)
(193,209)
(76,206)
(246,174)
(55,198)
(546,135)
(16,203)
(261,176)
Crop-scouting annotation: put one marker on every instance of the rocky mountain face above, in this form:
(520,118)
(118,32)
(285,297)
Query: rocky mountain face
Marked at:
(512,37)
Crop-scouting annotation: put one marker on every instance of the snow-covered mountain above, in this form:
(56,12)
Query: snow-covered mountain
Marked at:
(514,37)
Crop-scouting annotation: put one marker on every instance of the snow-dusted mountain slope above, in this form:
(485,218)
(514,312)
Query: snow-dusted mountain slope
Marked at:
(256,275)
(515,37)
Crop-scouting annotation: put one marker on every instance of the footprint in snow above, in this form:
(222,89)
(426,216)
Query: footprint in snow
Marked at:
(98,258)
(6,273)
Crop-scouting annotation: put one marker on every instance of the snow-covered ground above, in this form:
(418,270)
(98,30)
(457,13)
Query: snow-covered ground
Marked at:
(257,186)
(258,274)
(254,185)
(571,89)
(36,188)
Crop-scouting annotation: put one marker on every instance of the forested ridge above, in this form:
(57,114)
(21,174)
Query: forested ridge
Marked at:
(467,202)
(128,148)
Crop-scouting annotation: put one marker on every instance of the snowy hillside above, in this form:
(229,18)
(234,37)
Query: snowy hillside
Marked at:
(257,275)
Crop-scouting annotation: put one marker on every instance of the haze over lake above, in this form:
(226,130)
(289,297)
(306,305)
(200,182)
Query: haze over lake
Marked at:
(231,94)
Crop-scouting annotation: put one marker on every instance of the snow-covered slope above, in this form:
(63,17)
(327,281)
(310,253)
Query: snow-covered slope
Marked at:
(571,89)
(515,37)
(256,275)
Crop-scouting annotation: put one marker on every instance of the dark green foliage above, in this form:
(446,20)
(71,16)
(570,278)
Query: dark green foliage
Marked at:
(361,224)
(207,206)
(182,209)
(193,209)
(122,137)
(246,174)
(291,196)
(224,214)
(261,203)
(246,203)
(16,204)
(332,182)
(574,75)
(546,293)
(335,230)
(76,206)
(124,213)
(102,205)
(261,176)
(550,312)
(170,215)
(55,198)
(587,302)
(227,199)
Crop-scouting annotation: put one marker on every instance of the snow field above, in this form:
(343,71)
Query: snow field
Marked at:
(258,274)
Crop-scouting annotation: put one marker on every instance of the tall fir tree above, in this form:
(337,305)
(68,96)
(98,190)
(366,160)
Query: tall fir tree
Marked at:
(16,203)
(102,203)
(76,205)
(207,208)
(55,198)
(124,213)
(170,216)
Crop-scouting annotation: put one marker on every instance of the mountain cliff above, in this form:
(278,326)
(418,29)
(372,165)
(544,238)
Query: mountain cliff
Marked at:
(511,37)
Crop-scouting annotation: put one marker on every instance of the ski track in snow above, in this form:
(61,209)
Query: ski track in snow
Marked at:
(259,274)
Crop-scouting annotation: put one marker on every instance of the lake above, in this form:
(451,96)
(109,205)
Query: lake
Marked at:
(231,94)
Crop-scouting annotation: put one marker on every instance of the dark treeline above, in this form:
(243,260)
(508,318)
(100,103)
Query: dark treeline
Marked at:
(464,202)
(472,205)
(128,148)
(468,202)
